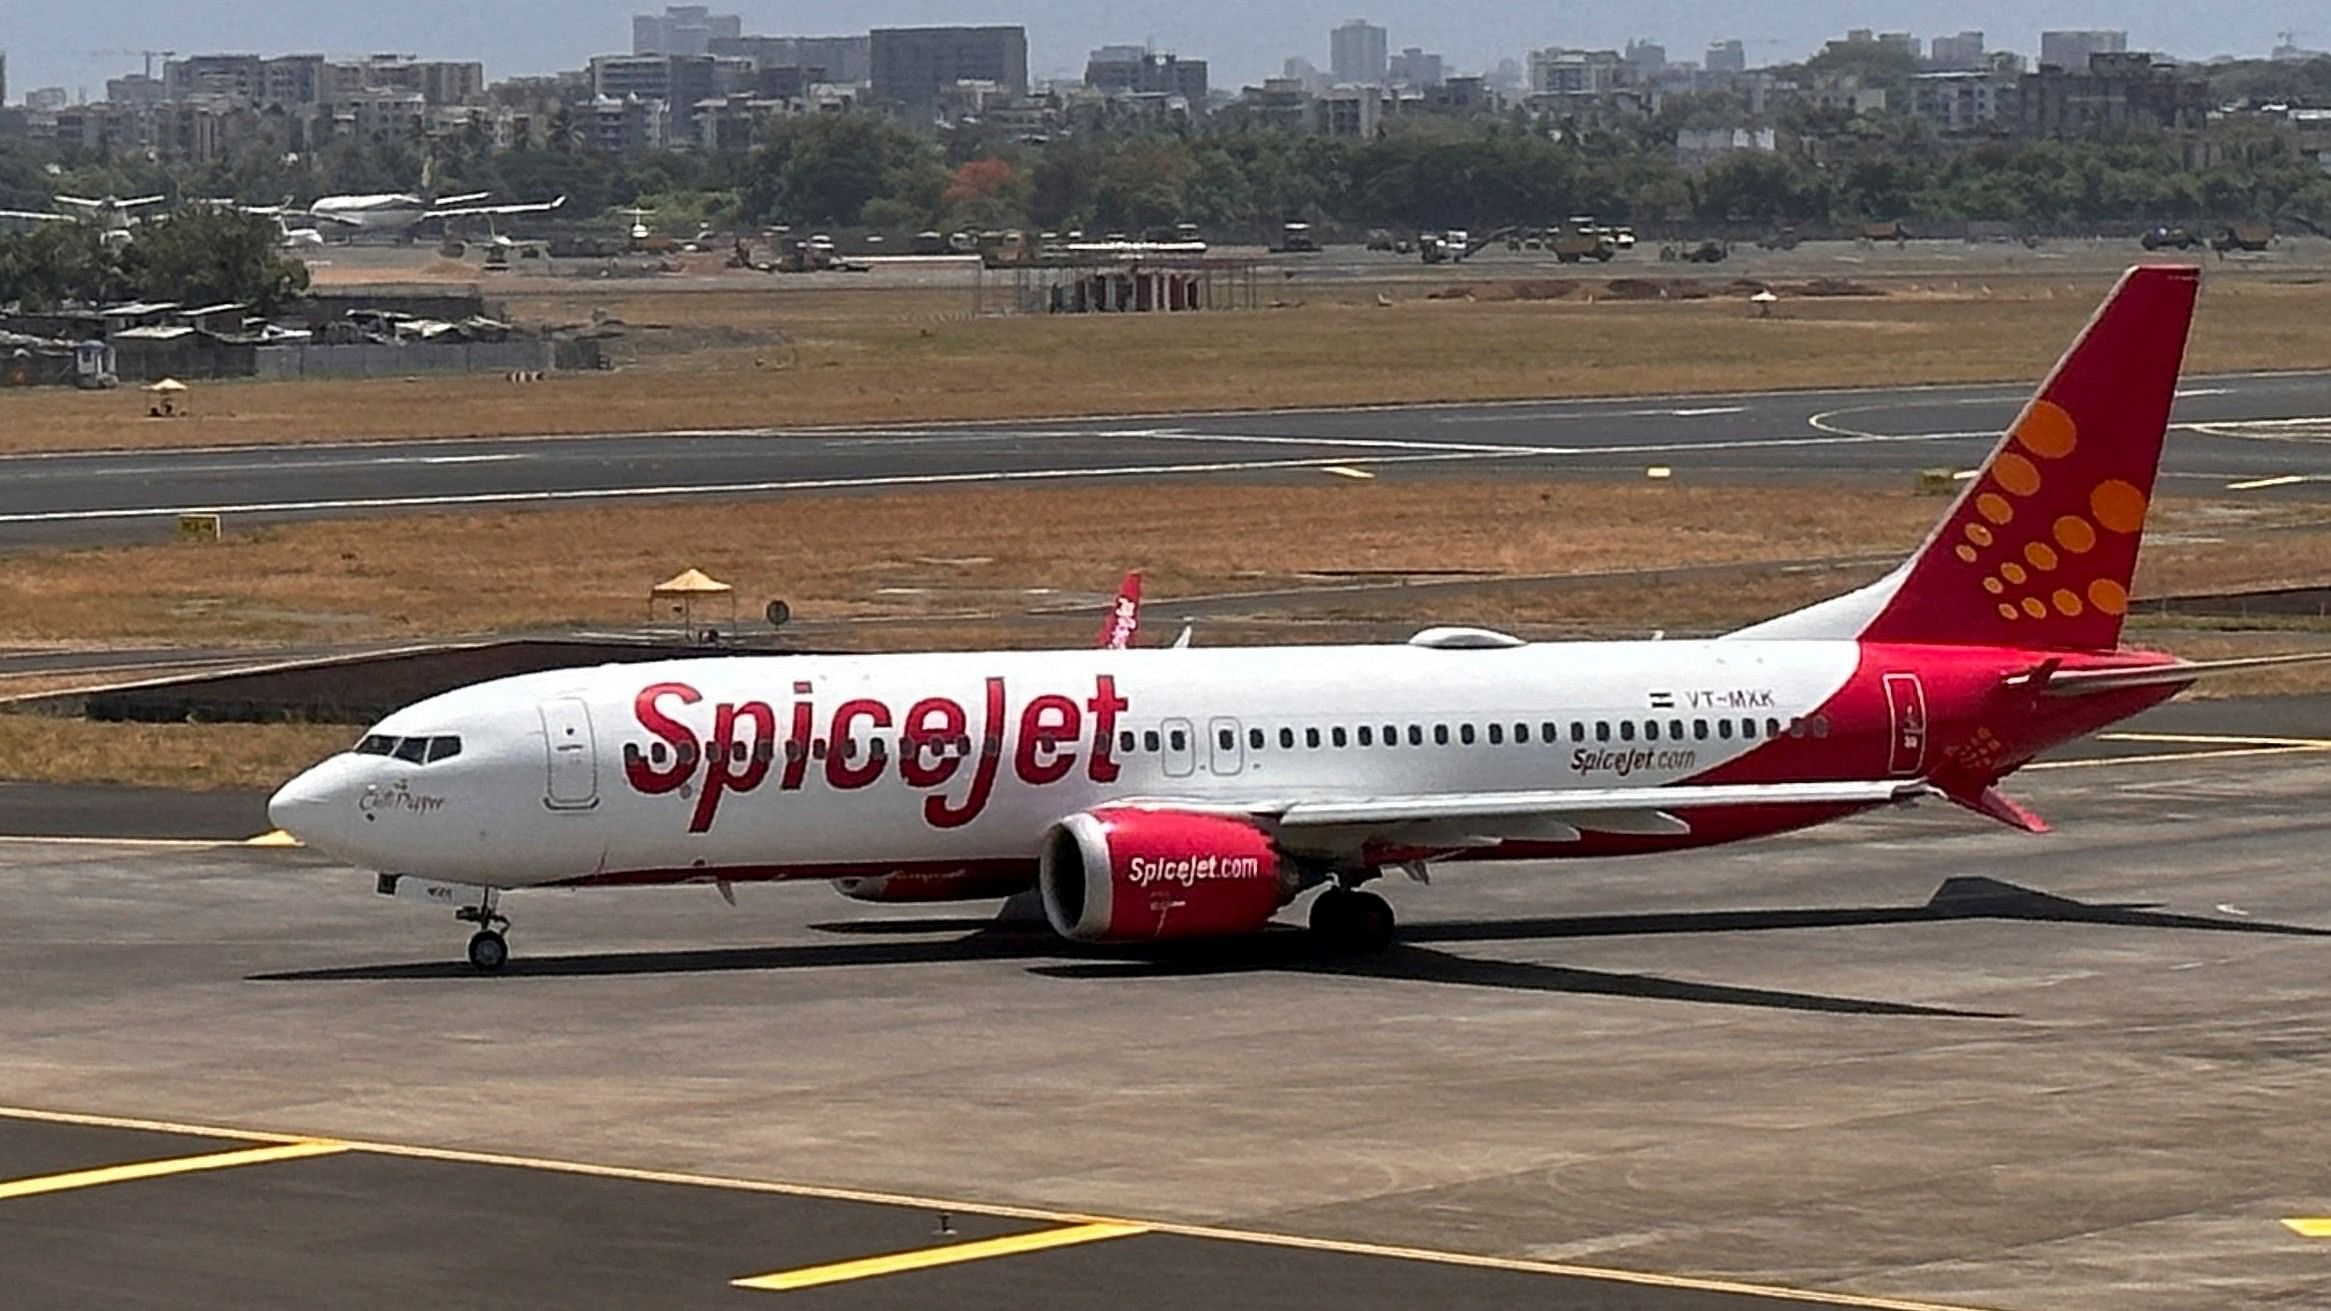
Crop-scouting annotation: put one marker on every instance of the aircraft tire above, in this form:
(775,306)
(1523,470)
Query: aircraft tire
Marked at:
(488,951)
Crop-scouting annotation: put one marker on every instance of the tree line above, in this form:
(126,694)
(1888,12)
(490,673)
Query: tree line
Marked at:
(193,256)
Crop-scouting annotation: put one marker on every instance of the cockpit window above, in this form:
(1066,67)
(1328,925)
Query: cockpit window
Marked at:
(414,749)
(374,744)
(443,748)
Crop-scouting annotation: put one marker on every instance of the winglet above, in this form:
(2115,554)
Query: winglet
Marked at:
(1124,617)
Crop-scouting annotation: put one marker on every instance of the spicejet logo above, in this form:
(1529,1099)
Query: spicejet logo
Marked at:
(934,741)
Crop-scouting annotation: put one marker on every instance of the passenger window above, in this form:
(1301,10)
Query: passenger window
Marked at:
(1465,734)
(1602,730)
(1180,741)
(1125,742)
(1311,738)
(1577,730)
(375,744)
(1287,739)
(1748,730)
(1521,734)
(1550,732)
(1772,728)
(1337,735)
(1226,740)
(1821,726)
(1796,727)
(1391,736)
(1416,735)
(1651,730)
(1675,730)
(1724,729)
(1367,735)
(1149,741)
(794,750)
(1440,735)
(1626,730)
(1497,735)
(413,750)
(1255,739)
(443,748)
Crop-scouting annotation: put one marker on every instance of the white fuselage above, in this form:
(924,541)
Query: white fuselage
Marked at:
(387,212)
(830,766)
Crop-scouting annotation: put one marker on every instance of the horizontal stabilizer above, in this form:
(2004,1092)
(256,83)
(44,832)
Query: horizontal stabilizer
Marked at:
(2089,682)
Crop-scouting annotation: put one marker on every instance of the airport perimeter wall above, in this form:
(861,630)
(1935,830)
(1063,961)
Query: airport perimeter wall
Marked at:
(371,360)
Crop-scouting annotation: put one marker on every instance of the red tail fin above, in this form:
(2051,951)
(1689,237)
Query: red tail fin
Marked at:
(2039,550)
(1124,617)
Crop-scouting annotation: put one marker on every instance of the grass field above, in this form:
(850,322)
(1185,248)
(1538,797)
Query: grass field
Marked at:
(1005,551)
(787,357)
(194,757)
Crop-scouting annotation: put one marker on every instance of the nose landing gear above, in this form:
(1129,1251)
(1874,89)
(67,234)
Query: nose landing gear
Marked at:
(489,951)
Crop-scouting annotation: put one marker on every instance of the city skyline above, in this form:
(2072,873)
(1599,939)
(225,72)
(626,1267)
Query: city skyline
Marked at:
(519,37)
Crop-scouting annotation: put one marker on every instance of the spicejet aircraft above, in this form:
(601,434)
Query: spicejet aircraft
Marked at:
(1163,794)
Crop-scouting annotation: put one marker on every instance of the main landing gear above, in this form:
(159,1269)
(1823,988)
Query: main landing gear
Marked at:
(489,951)
(1349,921)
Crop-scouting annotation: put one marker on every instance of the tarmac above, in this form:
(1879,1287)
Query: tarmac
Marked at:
(1914,1060)
(2268,433)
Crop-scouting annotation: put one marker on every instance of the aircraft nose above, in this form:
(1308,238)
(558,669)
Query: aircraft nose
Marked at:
(299,807)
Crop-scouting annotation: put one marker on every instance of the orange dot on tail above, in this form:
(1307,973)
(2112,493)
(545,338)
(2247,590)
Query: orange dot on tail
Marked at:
(1978,534)
(1993,506)
(1967,553)
(2109,596)
(2035,607)
(2074,534)
(2047,430)
(2016,474)
(2007,611)
(2067,604)
(2041,555)
(2118,505)
(2013,573)
(1994,586)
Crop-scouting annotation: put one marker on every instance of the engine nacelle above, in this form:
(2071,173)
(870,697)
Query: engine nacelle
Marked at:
(915,887)
(1123,875)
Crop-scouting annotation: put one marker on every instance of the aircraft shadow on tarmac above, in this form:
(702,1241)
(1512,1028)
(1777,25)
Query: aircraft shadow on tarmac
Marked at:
(965,938)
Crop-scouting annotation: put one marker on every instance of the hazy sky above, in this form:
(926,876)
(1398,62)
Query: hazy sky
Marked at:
(78,43)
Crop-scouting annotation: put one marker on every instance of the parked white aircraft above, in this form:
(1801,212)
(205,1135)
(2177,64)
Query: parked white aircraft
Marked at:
(113,215)
(1156,794)
(401,211)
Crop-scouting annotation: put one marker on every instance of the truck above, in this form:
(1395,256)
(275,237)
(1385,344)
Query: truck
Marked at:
(2246,235)
(1296,239)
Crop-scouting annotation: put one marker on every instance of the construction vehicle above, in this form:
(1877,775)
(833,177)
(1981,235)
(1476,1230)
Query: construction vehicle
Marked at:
(2247,235)
(1582,239)
(1706,252)
(2162,236)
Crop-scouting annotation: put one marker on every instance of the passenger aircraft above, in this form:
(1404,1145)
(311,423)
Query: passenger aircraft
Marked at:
(399,211)
(1170,794)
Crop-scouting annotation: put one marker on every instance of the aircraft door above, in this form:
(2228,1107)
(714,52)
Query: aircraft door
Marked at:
(1181,748)
(1226,754)
(1906,710)
(571,755)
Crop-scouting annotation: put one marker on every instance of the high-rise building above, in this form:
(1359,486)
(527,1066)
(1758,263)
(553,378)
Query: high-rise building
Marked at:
(2069,50)
(1358,54)
(1646,57)
(913,66)
(682,30)
(1725,57)
(834,58)
(1418,68)
(1139,71)
(1957,53)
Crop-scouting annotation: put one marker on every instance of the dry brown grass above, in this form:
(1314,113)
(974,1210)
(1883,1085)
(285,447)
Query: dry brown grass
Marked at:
(877,356)
(981,551)
(196,757)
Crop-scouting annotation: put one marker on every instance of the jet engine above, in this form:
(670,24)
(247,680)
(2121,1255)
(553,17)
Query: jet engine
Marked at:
(1127,875)
(915,887)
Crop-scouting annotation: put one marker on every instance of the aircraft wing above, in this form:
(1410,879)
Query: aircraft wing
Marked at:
(41,215)
(1475,819)
(141,201)
(469,211)
(324,216)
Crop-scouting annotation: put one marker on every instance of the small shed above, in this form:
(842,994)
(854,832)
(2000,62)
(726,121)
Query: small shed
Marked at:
(684,593)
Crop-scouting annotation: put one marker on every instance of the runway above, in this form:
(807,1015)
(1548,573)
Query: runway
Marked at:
(1915,1060)
(2269,429)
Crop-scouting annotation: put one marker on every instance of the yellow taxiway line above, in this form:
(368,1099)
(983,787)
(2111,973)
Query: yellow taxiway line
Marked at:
(1469,1260)
(117,1174)
(2310,1228)
(929,1257)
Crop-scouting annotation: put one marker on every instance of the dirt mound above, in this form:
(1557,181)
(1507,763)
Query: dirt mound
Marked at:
(1495,292)
(1836,287)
